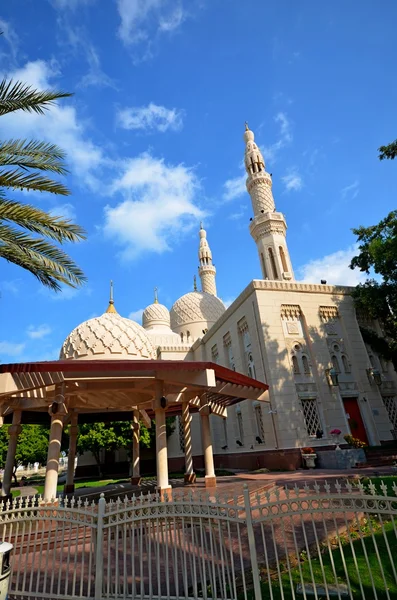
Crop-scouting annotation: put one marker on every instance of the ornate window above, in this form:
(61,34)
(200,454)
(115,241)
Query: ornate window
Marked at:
(214,354)
(182,338)
(346,364)
(310,414)
(246,346)
(227,342)
(240,425)
(295,365)
(391,407)
(181,435)
(335,363)
(306,366)
(273,264)
(259,423)
(283,259)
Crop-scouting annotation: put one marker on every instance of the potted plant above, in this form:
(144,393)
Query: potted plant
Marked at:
(335,433)
(310,457)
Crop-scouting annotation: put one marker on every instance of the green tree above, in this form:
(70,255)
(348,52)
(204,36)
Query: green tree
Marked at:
(26,232)
(95,437)
(32,446)
(388,152)
(378,299)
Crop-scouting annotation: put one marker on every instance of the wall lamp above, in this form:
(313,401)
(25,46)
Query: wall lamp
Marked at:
(332,377)
(163,401)
(374,376)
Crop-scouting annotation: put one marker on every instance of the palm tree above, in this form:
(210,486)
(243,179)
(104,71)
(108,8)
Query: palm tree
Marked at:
(22,163)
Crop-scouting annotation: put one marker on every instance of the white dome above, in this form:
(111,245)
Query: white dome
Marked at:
(198,310)
(155,314)
(108,336)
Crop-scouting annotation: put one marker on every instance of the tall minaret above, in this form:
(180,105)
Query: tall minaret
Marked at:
(207,270)
(268,227)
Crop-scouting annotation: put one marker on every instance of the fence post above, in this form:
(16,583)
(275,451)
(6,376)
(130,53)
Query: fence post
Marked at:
(99,549)
(252,545)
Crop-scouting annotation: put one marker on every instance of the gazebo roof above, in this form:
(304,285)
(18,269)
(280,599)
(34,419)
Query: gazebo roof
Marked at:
(97,387)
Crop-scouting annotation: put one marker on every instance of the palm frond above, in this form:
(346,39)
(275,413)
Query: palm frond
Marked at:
(32,155)
(20,96)
(38,221)
(31,181)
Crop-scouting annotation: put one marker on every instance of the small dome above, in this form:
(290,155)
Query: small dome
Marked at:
(198,310)
(155,314)
(108,336)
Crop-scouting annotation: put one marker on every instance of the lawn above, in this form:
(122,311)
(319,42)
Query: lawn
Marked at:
(355,575)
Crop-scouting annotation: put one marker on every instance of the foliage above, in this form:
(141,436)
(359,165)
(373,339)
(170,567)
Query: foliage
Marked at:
(32,445)
(308,451)
(335,432)
(95,437)
(354,442)
(22,164)
(389,151)
(378,252)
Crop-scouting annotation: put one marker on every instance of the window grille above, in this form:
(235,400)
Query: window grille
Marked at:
(214,354)
(295,365)
(240,427)
(227,342)
(335,363)
(391,407)
(345,362)
(181,435)
(259,423)
(310,414)
(306,366)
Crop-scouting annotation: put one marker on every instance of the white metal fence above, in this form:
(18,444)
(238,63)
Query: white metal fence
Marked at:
(310,542)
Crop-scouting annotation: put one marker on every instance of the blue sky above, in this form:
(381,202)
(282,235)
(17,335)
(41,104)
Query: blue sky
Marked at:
(154,141)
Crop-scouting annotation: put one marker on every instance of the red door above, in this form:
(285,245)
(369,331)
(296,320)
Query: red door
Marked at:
(355,419)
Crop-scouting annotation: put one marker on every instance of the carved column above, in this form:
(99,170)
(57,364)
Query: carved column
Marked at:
(73,433)
(161,440)
(136,432)
(58,413)
(13,431)
(190,476)
(210,479)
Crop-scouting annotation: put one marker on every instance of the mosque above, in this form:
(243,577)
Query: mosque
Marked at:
(303,340)
(249,386)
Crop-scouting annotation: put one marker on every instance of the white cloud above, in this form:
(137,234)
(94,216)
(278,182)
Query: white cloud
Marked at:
(285,138)
(70,4)
(159,205)
(150,118)
(142,19)
(10,36)
(334,268)
(292,181)
(235,187)
(59,125)
(350,191)
(136,315)
(66,211)
(36,333)
(10,349)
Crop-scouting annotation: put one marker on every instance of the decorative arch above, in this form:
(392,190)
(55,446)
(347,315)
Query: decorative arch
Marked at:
(283,259)
(273,263)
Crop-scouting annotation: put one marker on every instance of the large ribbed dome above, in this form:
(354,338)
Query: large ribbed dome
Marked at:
(155,314)
(108,336)
(196,308)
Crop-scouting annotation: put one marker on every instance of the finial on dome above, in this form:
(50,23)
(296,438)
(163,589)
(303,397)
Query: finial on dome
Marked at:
(246,126)
(195,283)
(111,308)
(156,298)
(201,225)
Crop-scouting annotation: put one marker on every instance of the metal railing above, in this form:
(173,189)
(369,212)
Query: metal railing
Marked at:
(305,542)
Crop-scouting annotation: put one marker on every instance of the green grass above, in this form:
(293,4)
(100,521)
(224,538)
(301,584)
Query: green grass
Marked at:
(377,481)
(354,576)
(15,493)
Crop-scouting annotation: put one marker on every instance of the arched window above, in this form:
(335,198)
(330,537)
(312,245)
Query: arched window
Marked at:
(273,264)
(182,337)
(335,363)
(306,366)
(346,365)
(187,336)
(283,259)
(295,365)
(263,266)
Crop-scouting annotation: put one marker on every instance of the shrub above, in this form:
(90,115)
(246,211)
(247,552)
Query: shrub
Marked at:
(354,442)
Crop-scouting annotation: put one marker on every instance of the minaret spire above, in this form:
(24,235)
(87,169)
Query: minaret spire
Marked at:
(268,227)
(111,307)
(207,270)
(156,297)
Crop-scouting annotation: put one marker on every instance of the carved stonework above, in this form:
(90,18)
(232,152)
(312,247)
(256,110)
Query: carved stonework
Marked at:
(242,325)
(290,311)
(328,312)
(293,328)
(333,341)
(330,328)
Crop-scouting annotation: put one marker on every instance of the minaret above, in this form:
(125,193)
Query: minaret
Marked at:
(207,270)
(268,227)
